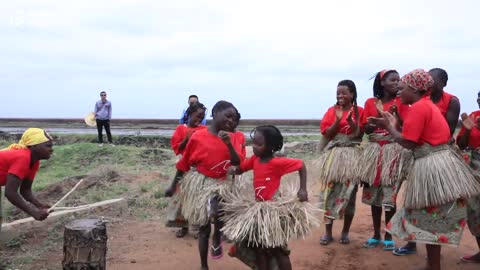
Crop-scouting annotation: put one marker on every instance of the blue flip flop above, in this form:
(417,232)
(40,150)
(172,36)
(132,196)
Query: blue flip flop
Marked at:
(372,243)
(388,245)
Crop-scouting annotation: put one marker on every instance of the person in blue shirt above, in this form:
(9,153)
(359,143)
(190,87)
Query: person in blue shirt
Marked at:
(103,114)
(191,100)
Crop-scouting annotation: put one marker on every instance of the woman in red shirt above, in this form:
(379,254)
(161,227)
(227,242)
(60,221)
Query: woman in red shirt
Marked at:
(434,210)
(341,125)
(381,162)
(195,115)
(19,164)
(448,104)
(469,139)
(271,247)
(210,152)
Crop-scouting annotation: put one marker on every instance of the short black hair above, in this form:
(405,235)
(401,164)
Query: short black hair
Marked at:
(273,136)
(192,96)
(191,109)
(442,74)
(103,92)
(377,85)
(223,105)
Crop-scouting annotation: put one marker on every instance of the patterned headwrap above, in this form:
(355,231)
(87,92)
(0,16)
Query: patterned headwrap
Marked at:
(31,137)
(418,79)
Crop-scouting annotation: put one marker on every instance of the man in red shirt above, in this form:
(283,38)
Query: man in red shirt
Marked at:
(19,164)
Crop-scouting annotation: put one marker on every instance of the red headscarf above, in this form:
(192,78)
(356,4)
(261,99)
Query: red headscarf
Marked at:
(418,79)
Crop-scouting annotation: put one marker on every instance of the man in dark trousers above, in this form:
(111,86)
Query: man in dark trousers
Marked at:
(103,114)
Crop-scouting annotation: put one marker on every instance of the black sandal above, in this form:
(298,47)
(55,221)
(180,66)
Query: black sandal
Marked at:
(181,233)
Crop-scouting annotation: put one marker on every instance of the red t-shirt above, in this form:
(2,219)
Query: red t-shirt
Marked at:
(444,102)
(209,154)
(17,162)
(329,118)
(240,140)
(425,124)
(180,134)
(474,138)
(370,108)
(266,176)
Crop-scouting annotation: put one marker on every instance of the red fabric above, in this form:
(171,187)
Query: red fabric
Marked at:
(240,140)
(425,124)
(17,162)
(266,176)
(474,138)
(180,134)
(444,102)
(371,110)
(209,154)
(329,118)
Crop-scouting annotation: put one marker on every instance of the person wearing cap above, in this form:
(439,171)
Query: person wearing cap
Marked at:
(103,114)
(192,99)
(19,164)
(468,139)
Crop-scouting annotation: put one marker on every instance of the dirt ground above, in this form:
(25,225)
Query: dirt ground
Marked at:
(136,244)
(149,245)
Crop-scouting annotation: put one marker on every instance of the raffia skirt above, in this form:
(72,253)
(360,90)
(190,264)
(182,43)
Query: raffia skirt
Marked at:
(198,190)
(267,224)
(338,188)
(435,203)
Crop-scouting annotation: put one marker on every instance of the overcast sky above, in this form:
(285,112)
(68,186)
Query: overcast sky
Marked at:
(272,59)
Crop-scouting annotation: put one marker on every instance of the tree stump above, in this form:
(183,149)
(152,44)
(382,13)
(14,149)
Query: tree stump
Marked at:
(85,245)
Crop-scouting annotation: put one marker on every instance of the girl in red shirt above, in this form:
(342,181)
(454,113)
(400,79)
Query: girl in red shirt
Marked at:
(342,126)
(267,204)
(381,162)
(183,132)
(210,152)
(438,182)
(469,139)
(19,164)
(195,115)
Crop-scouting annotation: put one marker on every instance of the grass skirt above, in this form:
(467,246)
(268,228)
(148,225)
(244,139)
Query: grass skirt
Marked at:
(267,224)
(391,159)
(198,189)
(438,176)
(338,159)
(174,210)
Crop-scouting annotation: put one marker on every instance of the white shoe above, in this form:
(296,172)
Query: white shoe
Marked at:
(112,144)
(100,144)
